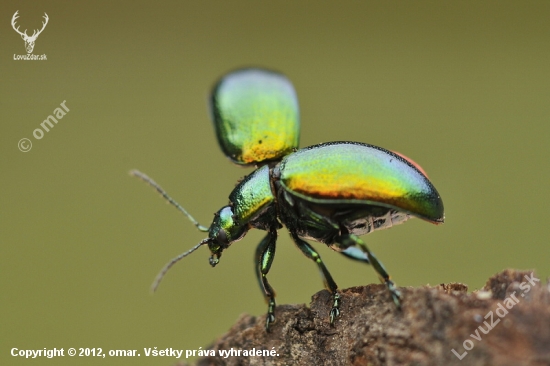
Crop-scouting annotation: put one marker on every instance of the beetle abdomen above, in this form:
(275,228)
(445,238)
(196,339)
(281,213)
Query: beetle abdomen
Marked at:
(341,172)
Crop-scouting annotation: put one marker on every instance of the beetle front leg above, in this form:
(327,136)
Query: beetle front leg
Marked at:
(350,240)
(265,252)
(327,278)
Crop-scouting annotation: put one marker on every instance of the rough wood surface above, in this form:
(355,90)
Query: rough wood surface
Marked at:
(433,322)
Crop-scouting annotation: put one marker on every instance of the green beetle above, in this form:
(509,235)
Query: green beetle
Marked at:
(330,193)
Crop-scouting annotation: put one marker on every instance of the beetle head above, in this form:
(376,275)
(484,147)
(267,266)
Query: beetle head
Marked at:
(223,232)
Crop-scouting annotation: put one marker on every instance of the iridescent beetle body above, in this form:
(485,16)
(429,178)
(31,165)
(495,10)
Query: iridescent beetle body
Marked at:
(330,193)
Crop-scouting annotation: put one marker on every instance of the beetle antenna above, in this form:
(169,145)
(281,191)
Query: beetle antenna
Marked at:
(152,183)
(168,265)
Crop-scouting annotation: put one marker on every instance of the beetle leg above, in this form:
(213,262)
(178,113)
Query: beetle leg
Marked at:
(349,241)
(327,278)
(265,252)
(352,253)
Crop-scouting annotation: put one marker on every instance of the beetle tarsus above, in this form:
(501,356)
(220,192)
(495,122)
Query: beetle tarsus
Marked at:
(335,311)
(270,317)
(395,293)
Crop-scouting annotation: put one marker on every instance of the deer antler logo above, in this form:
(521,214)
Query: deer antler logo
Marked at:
(29,41)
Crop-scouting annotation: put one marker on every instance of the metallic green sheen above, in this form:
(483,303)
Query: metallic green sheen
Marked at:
(226,222)
(256,116)
(251,195)
(348,172)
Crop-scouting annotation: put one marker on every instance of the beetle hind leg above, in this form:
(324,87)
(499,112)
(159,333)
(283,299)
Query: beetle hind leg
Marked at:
(349,241)
(327,278)
(354,253)
(265,252)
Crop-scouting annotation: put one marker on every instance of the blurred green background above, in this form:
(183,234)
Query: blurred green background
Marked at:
(460,87)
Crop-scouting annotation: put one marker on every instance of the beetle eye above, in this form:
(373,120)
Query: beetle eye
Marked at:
(221,238)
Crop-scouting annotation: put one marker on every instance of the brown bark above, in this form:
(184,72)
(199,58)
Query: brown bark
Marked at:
(432,322)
